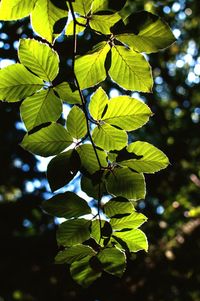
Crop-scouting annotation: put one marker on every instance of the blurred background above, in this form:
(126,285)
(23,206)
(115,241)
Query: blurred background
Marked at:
(171,269)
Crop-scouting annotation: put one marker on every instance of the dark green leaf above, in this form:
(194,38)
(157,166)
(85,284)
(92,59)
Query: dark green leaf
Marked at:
(62,169)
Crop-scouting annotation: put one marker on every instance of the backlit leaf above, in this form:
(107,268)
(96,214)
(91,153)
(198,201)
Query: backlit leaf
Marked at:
(16,83)
(107,5)
(97,103)
(82,7)
(44,17)
(103,23)
(48,141)
(126,183)
(135,239)
(70,27)
(90,68)
(151,160)
(76,123)
(118,206)
(130,70)
(15,9)
(39,58)
(145,32)
(113,261)
(75,253)
(66,93)
(73,231)
(42,107)
(66,205)
(132,221)
(127,113)
(89,160)
(109,138)
(83,273)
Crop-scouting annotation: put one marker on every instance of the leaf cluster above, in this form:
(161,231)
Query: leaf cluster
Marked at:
(95,138)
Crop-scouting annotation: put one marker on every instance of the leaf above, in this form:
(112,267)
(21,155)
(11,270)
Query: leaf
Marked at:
(109,138)
(70,27)
(127,113)
(132,221)
(48,141)
(15,9)
(82,7)
(96,232)
(135,239)
(145,32)
(75,253)
(113,261)
(107,5)
(44,17)
(89,160)
(40,108)
(66,93)
(62,169)
(118,206)
(76,123)
(151,158)
(98,103)
(74,231)
(39,58)
(90,185)
(103,23)
(130,70)
(83,273)
(16,83)
(126,183)
(90,68)
(66,205)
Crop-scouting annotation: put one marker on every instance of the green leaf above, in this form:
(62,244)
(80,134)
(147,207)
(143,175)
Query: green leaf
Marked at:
(107,5)
(98,103)
(89,160)
(118,206)
(132,221)
(15,9)
(90,185)
(16,83)
(39,58)
(83,273)
(48,141)
(66,93)
(113,261)
(109,138)
(75,253)
(130,70)
(151,158)
(44,17)
(103,23)
(96,232)
(76,123)
(82,7)
(134,239)
(126,183)
(62,169)
(40,108)
(70,27)
(145,32)
(127,113)
(74,231)
(90,68)
(66,205)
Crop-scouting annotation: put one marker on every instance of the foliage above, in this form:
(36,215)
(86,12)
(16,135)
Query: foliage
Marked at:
(108,164)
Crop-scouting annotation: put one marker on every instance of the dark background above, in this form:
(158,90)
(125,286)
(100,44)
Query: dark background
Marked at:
(171,269)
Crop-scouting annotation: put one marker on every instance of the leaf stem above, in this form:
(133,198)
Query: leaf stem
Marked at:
(77,83)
